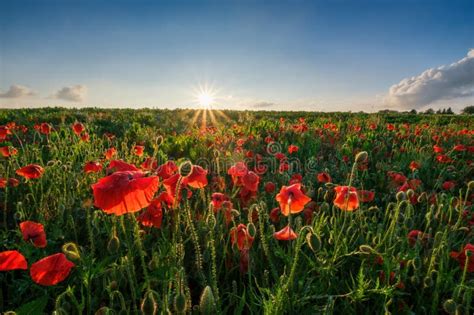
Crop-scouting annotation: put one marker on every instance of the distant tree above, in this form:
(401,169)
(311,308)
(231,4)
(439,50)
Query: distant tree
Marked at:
(469,110)
(449,111)
(413,111)
(429,111)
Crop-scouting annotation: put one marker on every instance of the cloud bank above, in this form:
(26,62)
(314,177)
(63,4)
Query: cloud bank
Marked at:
(76,93)
(17,91)
(443,83)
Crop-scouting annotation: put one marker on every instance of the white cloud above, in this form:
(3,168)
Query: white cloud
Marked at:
(449,82)
(17,91)
(76,93)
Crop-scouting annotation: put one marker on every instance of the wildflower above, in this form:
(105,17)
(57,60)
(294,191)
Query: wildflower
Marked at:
(292,199)
(124,192)
(138,150)
(239,235)
(346,198)
(292,149)
(121,166)
(31,171)
(269,187)
(365,195)
(217,199)
(462,256)
(197,177)
(8,151)
(12,260)
(33,231)
(324,177)
(51,269)
(78,128)
(110,153)
(92,167)
(285,234)
(153,215)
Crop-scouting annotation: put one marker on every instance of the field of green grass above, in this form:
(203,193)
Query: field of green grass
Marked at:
(223,212)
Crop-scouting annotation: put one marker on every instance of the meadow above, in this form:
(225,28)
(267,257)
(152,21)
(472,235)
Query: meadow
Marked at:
(224,212)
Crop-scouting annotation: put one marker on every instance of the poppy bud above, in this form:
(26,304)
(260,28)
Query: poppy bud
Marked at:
(422,197)
(417,264)
(401,196)
(113,285)
(207,304)
(71,251)
(470,185)
(410,193)
(373,208)
(450,306)
(185,169)
(10,313)
(313,241)
(180,303)
(366,249)
(113,245)
(361,157)
(149,306)
(327,196)
(251,229)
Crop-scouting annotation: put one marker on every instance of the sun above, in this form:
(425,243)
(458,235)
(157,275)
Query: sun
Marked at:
(205,99)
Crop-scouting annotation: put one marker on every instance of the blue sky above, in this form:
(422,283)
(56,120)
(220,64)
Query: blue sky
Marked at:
(312,55)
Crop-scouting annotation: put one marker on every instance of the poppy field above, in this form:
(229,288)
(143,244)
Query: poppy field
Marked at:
(224,212)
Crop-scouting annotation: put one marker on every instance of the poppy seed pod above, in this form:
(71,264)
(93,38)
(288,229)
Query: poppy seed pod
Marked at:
(207,304)
(361,157)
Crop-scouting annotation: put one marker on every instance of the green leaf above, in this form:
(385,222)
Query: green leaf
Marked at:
(35,307)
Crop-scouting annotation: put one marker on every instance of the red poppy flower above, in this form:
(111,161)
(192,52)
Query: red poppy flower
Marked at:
(121,166)
(124,192)
(461,257)
(45,128)
(34,232)
(166,170)
(365,195)
(12,260)
(324,177)
(85,137)
(390,127)
(292,199)
(270,187)
(8,151)
(217,199)
(110,153)
(414,166)
(197,178)
(459,148)
(138,150)
(4,132)
(30,171)
(437,149)
(149,164)
(443,159)
(285,234)
(346,199)
(153,214)
(275,215)
(78,128)
(448,185)
(92,167)
(292,149)
(51,270)
(237,170)
(239,235)
(414,235)
(250,181)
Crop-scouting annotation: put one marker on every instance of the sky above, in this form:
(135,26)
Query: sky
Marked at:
(329,55)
